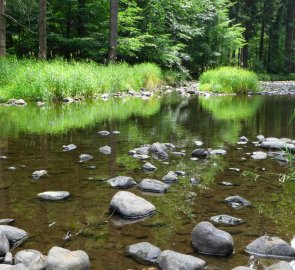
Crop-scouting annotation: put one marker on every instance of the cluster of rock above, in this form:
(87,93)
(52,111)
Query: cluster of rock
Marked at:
(278,88)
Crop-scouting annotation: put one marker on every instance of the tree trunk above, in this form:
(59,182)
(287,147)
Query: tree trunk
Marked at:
(290,22)
(80,19)
(42,30)
(2,28)
(113,35)
(262,32)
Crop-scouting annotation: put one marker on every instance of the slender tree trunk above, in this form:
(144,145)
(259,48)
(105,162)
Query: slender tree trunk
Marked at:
(80,19)
(42,30)
(113,35)
(262,32)
(290,25)
(2,28)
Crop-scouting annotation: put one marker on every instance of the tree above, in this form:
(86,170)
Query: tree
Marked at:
(2,27)
(42,30)
(290,35)
(113,35)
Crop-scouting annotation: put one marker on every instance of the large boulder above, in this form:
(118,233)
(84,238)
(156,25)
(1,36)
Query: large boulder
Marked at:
(207,239)
(4,244)
(122,182)
(151,185)
(171,260)
(282,265)
(14,235)
(64,259)
(273,247)
(158,147)
(128,205)
(53,195)
(144,252)
(33,259)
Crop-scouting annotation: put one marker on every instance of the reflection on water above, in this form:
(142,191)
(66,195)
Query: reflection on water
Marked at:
(32,138)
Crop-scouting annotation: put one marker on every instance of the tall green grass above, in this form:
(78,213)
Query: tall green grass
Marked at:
(229,80)
(33,79)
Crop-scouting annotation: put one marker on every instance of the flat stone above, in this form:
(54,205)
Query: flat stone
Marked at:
(33,259)
(38,174)
(103,133)
(85,157)
(144,253)
(237,201)
(105,150)
(13,234)
(282,265)
(259,155)
(70,147)
(64,259)
(122,182)
(54,195)
(151,185)
(149,167)
(170,178)
(12,267)
(227,220)
(218,152)
(171,260)
(199,153)
(128,205)
(4,244)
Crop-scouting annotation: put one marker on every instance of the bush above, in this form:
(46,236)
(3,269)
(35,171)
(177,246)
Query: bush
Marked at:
(229,80)
(276,77)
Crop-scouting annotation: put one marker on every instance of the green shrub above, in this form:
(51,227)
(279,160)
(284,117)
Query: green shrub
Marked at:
(229,80)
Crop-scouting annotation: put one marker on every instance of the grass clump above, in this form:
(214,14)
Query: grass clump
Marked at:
(229,80)
(55,79)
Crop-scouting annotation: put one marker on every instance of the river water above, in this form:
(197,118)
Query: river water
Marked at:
(32,139)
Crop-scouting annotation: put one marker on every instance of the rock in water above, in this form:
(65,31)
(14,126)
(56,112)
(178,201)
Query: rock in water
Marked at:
(4,244)
(128,205)
(156,147)
(227,220)
(273,247)
(237,202)
(170,260)
(218,152)
(152,185)
(259,155)
(69,147)
(14,235)
(54,195)
(38,174)
(207,239)
(122,182)
(199,143)
(144,252)
(103,133)
(282,265)
(8,258)
(12,267)
(149,167)
(170,178)
(85,157)
(241,268)
(105,150)
(33,259)
(199,153)
(64,259)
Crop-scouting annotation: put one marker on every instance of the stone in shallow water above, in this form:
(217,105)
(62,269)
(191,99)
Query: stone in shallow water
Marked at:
(199,153)
(171,260)
(259,155)
(237,201)
(149,167)
(64,259)
(141,157)
(85,157)
(227,184)
(218,152)
(152,185)
(170,178)
(178,154)
(54,195)
(13,234)
(103,133)
(4,244)
(269,246)
(241,268)
(69,147)
(6,221)
(243,139)
(105,150)
(122,182)
(199,143)
(38,174)
(33,259)
(228,220)
(207,239)
(144,252)
(282,265)
(128,205)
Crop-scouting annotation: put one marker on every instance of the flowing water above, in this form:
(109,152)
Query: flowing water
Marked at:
(32,139)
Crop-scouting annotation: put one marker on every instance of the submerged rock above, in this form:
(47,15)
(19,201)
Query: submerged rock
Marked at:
(103,133)
(64,259)
(149,167)
(4,244)
(122,182)
(14,235)
(33,259)
(69,147)
(144,252)
(237,201)
(199,153)
(218,152)
(273,247)
(151,185)
(128,205)
(227,220)
(171,260)
(105,150)
(259,155)
(85,157)
(54,195)
(170,178)
(38,174)
(209,240)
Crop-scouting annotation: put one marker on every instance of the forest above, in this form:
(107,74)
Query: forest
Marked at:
(187,36)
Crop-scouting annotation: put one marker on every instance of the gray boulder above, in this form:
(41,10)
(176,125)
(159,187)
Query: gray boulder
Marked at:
(170,178)
(69,147)
(199,153)
(207,239)
(171,260)
(33,259)
(128,205)
(122,182)
(149,167)
(4,244)
(273,247)
(152,185)
(14,235)
(237,201)
(282,265)
(103,133)
(64,259)
(54,195)
(144,253)
(12,267)
(227,220)
(85,157)
(105,150)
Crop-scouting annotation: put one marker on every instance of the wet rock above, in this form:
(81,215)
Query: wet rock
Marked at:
(103,133)
(33,259)
(69,147)
(54,195)
(199,143)
(38,174)
(234,169)
(199,153)
(11,168)
(237,202)
(122,182)
(259,155)
(170,178)
(282,265)
(151,185)
(85,157)
(273,247)
(3,157)
(218,152)
(144,252)
(243,139)
(227,220)
(274,143)
(241,268)
(156,147)
(141,157)
(14,235)
(4,244)
(105,150)
(12,267)
(207,239)
(116,132)
(194,181)
(40,104)
(17,102)
(178,154)
(128,205)
(64,259)
(149,167)
(171,260)
(260,138)
(68,100)
(8,258)
(287,140)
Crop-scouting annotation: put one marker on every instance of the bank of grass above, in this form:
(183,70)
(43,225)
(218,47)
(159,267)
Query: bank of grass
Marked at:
(33,79)
(229,80)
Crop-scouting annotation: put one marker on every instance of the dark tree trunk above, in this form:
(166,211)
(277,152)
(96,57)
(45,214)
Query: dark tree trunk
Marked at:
(42,30)
(2,27)
(290,25)
(113,35)
(262,32)
(80,19)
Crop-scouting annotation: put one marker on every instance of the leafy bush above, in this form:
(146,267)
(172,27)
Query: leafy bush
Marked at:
(229,80)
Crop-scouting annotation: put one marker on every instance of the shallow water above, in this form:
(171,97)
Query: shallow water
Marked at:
(32,139)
